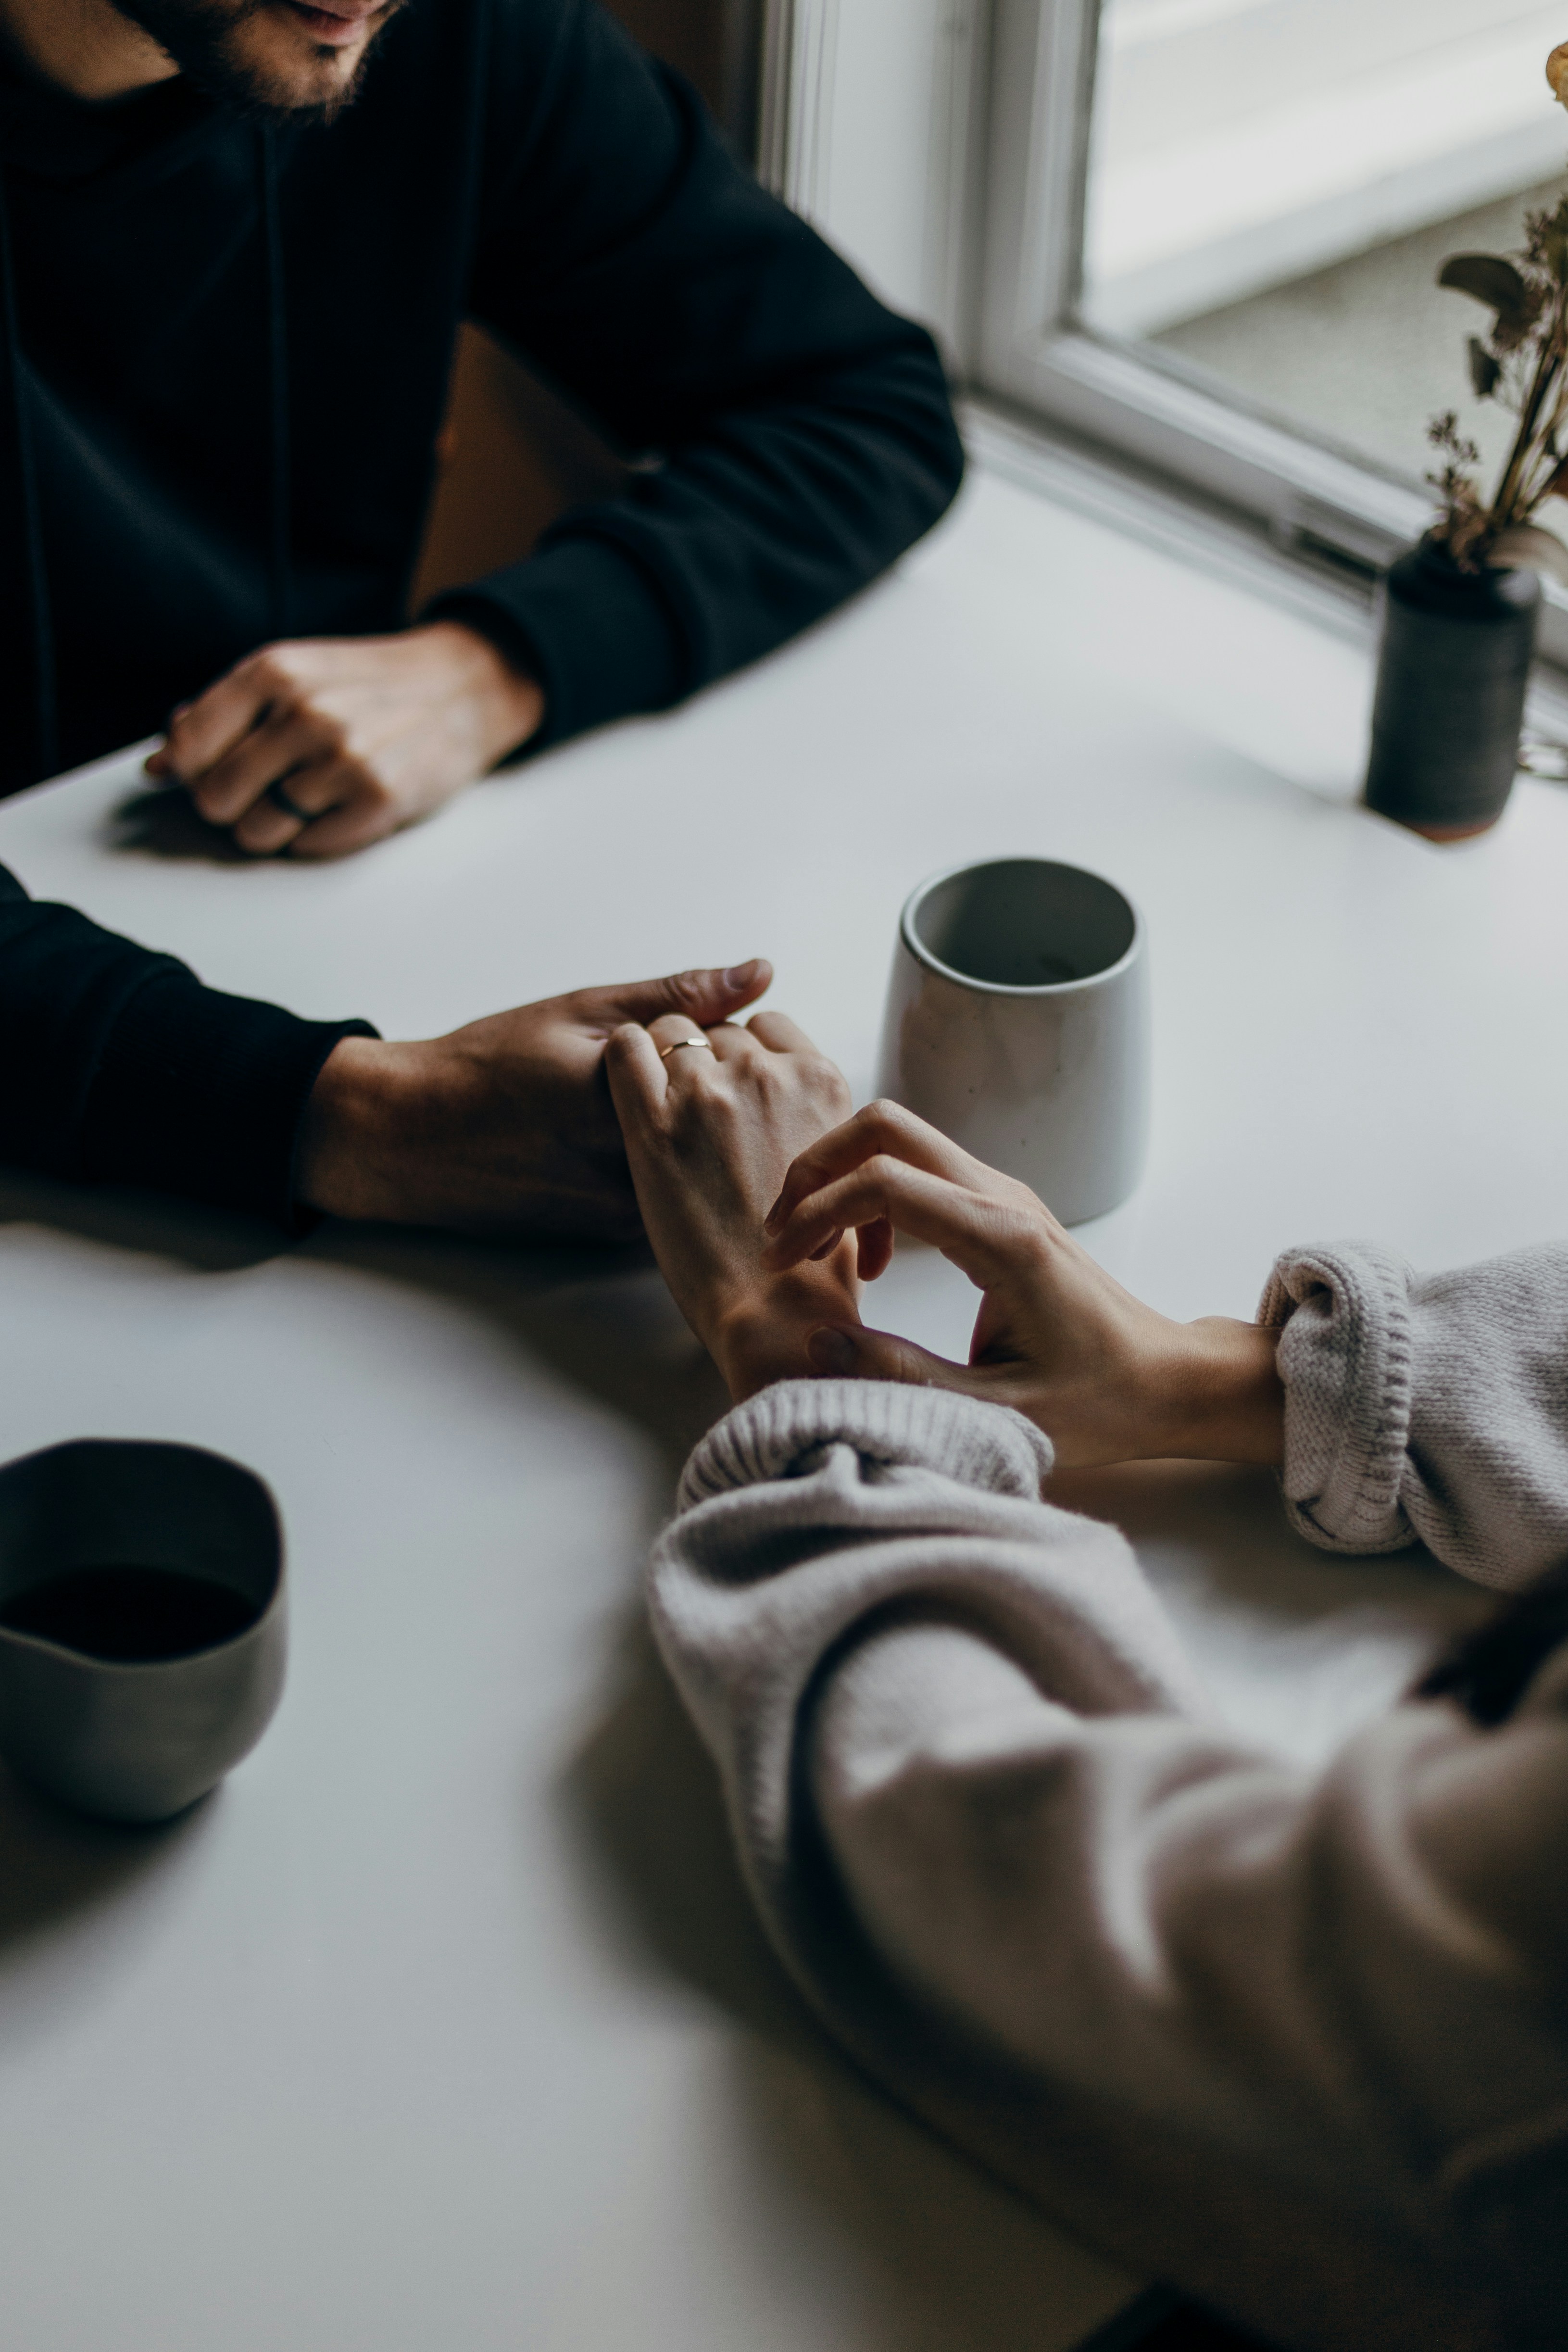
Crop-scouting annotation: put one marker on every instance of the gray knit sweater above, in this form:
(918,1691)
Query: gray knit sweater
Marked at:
(1297,2044)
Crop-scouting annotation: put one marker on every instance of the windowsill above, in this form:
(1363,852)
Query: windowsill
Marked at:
(1336,600)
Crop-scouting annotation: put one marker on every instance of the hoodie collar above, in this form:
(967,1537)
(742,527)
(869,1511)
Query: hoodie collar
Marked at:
(48,134)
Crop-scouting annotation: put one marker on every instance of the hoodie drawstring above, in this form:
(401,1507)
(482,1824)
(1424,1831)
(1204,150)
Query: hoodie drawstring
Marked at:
(30,671)
(280,586)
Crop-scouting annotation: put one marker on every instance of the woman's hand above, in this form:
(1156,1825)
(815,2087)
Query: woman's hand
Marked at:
(321,747)
(1105,1376)
(711,1123)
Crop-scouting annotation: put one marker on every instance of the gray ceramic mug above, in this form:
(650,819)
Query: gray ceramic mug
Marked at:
(1017,1022)
(142,1623)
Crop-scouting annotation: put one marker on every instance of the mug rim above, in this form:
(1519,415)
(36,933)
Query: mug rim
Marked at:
(274,1607)
(924,955)
(92,1663)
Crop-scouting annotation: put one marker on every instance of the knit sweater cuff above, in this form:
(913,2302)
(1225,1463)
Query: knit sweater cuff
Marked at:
(1345,1361)
(203,1095)
(584,619)
(775,1433)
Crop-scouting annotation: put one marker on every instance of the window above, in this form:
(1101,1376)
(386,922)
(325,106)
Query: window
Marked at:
(1201,234)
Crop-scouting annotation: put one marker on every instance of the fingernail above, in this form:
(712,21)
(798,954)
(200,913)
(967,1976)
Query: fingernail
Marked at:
(774,1221)
(832,1351)
(741,975)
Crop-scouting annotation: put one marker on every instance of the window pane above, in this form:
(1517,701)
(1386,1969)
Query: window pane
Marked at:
(1274,183)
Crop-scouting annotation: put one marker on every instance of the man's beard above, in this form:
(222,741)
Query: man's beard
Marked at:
(203,38)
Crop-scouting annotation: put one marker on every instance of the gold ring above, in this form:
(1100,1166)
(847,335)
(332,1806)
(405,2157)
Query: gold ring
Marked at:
(682,1042)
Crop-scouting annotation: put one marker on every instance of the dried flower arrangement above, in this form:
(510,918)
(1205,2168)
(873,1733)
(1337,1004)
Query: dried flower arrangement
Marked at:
(1523,362)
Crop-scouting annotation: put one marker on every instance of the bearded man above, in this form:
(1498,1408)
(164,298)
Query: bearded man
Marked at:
(238,239)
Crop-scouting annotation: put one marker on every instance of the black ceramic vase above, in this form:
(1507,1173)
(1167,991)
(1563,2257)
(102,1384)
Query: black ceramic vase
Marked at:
(1455,663)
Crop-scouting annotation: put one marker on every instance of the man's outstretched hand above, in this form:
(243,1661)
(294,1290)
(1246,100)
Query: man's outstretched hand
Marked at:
(325,746)
(505,1127)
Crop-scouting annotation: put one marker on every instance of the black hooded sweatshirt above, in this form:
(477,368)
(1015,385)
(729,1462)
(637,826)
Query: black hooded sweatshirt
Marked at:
(224,353)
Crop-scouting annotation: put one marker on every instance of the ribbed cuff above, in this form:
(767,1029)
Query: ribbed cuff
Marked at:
(583,618)
(772,1434)
(1344,1358)
(204,1095)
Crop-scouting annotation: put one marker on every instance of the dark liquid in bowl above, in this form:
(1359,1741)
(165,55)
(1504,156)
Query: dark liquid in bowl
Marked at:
(131,1615)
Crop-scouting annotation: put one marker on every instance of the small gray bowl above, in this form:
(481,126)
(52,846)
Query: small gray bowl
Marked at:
(138,1739)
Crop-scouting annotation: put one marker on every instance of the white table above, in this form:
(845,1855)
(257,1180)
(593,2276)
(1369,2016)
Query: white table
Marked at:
(444,2025)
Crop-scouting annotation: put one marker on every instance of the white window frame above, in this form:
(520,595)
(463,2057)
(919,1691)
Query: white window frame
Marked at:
(1030,350)
(996,125)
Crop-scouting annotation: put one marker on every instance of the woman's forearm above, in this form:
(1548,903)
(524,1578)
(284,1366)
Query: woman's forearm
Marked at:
(1222,1399)
(1215,2017)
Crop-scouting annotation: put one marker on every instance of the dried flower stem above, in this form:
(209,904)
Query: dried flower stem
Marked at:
(1513,504)
(1523,362)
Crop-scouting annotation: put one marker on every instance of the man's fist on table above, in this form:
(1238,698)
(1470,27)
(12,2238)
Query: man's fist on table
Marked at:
(323,746)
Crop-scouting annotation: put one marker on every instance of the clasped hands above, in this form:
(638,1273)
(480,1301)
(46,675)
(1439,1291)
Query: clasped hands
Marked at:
(767,1207)
(647,1107)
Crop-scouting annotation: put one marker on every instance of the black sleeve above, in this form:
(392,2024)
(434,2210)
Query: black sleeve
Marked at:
(116,1066)
(803,435)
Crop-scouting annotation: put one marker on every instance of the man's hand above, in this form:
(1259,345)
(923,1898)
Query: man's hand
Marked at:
(505,1127)
(325,746)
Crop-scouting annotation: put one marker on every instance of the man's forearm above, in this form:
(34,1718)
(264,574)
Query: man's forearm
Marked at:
(118,1067)
(805,434)
(366,1133)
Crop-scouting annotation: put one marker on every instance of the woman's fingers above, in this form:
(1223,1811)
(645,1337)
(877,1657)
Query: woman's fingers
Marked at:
(848,1352)
(984,1237)
(681,1046)
(875,1244)
(638,1084)
(686,1053)
(779,1034)
(882,1128)
(731,1043)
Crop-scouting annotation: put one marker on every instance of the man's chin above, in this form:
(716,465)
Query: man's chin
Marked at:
(285,67)
(264,56)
